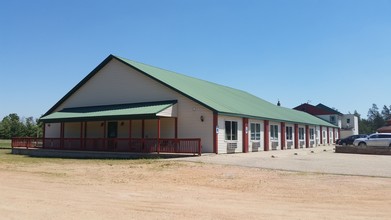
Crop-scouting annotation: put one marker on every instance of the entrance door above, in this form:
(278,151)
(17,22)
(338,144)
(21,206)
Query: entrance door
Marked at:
(112,132)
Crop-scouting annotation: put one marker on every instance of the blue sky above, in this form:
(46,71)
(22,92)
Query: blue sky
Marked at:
(335,52)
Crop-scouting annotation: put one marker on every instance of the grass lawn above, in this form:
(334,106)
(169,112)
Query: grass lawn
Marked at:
(5,143)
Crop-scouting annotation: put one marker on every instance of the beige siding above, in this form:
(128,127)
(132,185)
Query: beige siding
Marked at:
(123,129)
(150,129)
(52,130)
(72,130)
(136,129)
(116,83)
(167,128)
(222,143)
(95,129)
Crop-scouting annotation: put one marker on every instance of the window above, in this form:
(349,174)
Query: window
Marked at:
(301,133)
(332,119)
(312,134)
(274,132)
(348,120)
(231,130)
(255,131)
(289,133)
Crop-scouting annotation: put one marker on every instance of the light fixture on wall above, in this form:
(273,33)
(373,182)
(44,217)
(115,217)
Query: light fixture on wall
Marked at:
(101,124)
(202,118)
(122,123)
(49,125)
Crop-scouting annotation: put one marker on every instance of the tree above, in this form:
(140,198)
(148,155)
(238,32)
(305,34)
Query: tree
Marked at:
(386,113)
(11,126)
(375,118)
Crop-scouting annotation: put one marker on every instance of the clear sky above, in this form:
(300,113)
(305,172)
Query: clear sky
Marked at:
(335,52)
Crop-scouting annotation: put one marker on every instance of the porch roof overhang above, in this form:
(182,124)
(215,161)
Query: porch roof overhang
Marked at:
(145,110)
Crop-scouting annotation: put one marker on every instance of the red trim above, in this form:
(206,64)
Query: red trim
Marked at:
(142,128)
(283,138)
(176,128)
(215,134)
(44,134)
(328,136)
(307,136)
(296,136)
(62,135)
(245,135)
(266,135)
(169,145)
(104,129)
(81,133)
(130,128)
(321,135)
(158,135)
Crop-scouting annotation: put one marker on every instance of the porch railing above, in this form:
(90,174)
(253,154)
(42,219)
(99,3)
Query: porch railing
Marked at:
(143,145)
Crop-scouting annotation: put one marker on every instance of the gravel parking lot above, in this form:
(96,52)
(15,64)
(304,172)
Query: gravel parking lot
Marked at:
(318,160)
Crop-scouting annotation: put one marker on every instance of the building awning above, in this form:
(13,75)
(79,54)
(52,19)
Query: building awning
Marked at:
(145,110)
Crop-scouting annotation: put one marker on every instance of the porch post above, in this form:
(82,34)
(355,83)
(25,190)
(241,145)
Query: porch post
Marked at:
(104,135)
(321,135)
(85,135)
(142,133)
(245,135)
(328,136)
(62,135)
(176,128)
(158,135)
(142,128)
(215,134)
(333,135)
(296,136)
(307,136)
(81,134)
(283,138)
(266,135)
(130,129)
(130,134)
(43,135)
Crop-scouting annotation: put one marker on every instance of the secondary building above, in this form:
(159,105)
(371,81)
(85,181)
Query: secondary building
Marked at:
(347,123)
(123,105)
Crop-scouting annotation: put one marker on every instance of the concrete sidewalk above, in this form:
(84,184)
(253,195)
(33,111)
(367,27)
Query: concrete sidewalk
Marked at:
(317,160)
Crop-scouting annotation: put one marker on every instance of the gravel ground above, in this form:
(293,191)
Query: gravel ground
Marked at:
(318,160)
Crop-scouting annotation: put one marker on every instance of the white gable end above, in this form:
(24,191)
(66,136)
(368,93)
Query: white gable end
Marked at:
(117,83)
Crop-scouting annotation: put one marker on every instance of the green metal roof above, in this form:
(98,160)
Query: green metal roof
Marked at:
(107,112)
(218,98)
(223,99)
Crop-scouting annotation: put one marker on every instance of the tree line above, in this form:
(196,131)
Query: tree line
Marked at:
(14,126)
(376,118)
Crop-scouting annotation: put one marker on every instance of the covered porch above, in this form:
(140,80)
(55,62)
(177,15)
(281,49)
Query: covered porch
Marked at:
(140,127)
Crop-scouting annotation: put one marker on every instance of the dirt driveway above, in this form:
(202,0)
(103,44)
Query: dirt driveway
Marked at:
(38,188)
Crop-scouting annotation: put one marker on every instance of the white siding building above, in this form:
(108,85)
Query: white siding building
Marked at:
(123,105)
